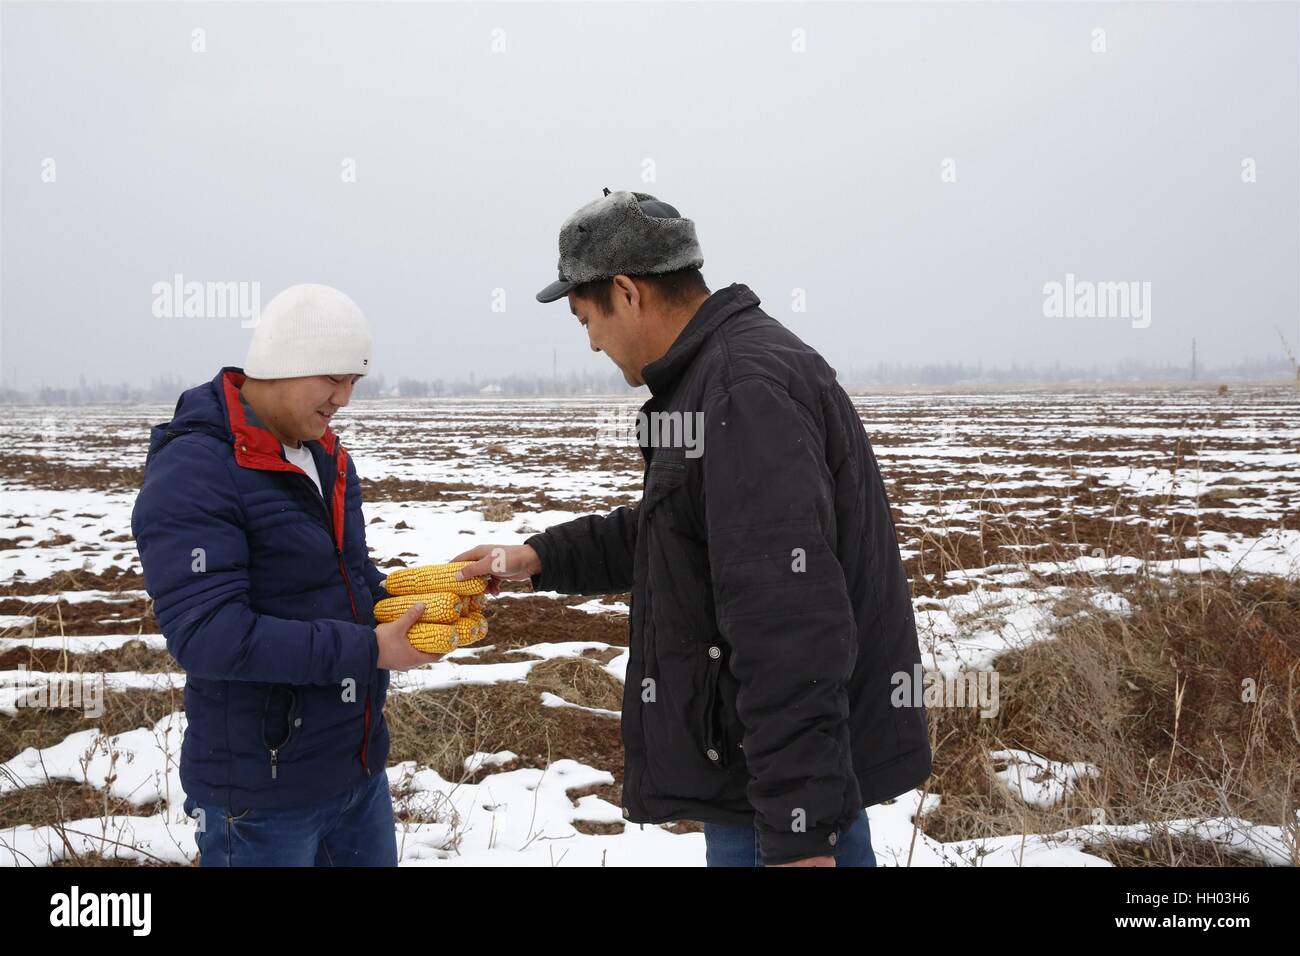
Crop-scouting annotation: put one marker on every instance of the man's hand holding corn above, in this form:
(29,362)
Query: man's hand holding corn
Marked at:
(395,651)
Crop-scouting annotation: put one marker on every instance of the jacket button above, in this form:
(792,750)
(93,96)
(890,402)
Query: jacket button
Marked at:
(833,839)
(712,754)
(715,652)
(243,448)
(298,722)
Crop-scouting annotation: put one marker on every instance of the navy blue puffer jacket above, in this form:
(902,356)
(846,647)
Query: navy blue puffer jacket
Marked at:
(265,594)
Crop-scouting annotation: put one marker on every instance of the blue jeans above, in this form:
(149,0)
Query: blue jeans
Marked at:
(354,828)
(739,846)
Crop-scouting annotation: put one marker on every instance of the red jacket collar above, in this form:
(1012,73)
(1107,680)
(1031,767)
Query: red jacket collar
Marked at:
(255,446)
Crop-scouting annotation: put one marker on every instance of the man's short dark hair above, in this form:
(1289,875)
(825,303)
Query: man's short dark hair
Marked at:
(675,288)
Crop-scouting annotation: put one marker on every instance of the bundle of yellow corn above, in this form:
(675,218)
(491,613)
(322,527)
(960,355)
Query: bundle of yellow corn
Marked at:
(433,577)
(440,607)
(441,638)
(453,610)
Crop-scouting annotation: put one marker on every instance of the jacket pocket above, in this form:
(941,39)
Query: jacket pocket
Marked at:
(662,480)
(664,476)
(281,721)
(722,733)
(238,816)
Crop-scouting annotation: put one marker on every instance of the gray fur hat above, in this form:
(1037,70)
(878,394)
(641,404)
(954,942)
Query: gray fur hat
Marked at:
(623,233)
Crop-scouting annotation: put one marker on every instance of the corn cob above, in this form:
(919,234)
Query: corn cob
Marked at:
(441,607)
(474,604)
(441,638)
(433,577)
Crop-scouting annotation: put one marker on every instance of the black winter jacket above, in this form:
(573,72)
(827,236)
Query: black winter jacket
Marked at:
(770,609)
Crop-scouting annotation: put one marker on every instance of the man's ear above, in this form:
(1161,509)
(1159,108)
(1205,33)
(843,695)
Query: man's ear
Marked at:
(626,292)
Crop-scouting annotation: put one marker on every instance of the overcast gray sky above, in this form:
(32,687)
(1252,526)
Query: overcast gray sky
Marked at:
(821,170)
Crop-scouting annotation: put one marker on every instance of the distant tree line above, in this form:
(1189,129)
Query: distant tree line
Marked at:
(166,390)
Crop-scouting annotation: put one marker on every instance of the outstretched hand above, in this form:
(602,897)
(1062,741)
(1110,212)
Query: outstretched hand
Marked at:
(499,562)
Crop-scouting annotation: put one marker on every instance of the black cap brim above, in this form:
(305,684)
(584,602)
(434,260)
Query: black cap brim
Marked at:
(556,290)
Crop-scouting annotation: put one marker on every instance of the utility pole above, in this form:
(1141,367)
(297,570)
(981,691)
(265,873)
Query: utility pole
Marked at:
(1295,366)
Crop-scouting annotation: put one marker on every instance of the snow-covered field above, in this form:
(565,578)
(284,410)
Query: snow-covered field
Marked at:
(1003,501)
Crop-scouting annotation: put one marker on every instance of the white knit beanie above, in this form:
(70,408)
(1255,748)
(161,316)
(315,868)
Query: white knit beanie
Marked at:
(309,330)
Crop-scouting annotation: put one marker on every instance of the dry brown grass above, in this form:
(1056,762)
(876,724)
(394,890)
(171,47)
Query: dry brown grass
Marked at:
(439,729)
(496,509)
(131,656)
(59,801)
(96,859)
(123,711)
(578,681)
(1155,701)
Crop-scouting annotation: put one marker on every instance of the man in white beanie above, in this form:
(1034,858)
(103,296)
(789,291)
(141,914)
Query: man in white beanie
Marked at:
(253,544)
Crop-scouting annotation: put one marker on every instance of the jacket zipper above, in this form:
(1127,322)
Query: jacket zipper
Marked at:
(365,739)
(275,751)
(347,584)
